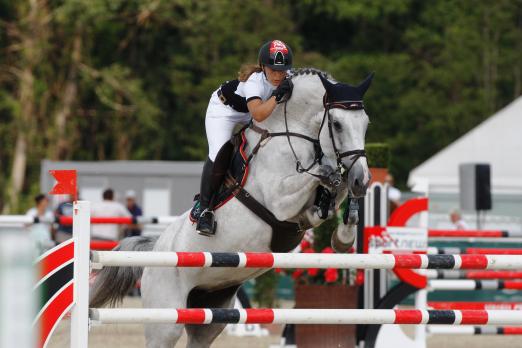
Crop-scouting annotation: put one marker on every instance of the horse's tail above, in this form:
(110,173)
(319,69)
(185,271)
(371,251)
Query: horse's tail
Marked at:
(113,283)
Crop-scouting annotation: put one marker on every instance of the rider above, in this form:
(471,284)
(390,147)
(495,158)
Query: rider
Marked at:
(254,94)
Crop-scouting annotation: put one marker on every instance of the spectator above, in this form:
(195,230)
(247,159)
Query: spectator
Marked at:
(41,233)
(394,194)
(107,208)
(135,210)
(458,221)
(64,232)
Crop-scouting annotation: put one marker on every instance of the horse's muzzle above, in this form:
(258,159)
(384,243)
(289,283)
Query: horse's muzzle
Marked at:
(359,178)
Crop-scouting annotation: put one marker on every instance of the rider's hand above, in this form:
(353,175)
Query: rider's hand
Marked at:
(283,91)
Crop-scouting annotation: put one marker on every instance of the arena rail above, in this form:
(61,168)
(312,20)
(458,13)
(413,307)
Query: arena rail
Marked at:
(450,305)
(473,234)
(480,275)
(474,330)
(68,220)
(480,251)
(456,285)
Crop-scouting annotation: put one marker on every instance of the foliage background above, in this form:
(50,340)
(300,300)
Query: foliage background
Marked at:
(130,79)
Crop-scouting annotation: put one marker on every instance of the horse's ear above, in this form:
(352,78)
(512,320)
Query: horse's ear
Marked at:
(363,87)
(327,84)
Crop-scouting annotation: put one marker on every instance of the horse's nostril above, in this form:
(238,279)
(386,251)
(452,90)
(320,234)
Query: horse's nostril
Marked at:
(356,183)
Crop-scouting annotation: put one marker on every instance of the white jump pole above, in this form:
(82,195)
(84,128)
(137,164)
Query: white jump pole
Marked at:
(80,309)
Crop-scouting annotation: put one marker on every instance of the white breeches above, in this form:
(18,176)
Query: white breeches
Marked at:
(219,124)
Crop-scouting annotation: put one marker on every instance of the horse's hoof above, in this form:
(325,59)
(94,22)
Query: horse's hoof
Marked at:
(342,246)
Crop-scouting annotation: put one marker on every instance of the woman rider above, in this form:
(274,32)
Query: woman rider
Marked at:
(254,94)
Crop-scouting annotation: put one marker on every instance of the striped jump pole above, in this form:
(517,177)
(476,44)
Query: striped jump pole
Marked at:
(458,274)
(284,260)
(473,234)
(473,330)
(455,285)
(445,305)
(303,316)
(481,251)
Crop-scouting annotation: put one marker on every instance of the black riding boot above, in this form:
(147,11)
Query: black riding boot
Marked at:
(206,222)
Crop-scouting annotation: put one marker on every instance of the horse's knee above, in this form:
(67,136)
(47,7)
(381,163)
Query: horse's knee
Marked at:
(312,215)
(202,336)
(162,335)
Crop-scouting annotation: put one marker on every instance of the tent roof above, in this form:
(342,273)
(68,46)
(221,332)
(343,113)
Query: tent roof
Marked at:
(497,141)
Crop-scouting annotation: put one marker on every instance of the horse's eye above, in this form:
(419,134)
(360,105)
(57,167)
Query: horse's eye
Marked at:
(337,126)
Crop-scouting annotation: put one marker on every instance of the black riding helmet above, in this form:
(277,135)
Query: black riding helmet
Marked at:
(276,55)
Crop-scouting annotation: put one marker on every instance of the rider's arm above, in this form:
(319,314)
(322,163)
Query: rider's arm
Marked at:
(261,110)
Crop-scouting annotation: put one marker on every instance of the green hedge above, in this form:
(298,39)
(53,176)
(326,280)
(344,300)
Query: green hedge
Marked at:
(378,155)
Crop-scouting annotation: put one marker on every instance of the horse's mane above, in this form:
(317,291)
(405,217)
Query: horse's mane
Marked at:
(309,71)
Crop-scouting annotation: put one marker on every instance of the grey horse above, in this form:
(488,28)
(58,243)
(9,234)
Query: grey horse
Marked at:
(339,123)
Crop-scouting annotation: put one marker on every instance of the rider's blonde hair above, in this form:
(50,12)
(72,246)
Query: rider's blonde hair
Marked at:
(246,70)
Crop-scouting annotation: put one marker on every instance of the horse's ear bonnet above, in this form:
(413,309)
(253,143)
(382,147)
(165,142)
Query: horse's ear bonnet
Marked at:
(343,95)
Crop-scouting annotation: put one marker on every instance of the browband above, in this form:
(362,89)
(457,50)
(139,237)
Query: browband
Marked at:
(343,104)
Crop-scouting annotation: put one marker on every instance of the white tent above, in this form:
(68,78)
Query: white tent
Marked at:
(497,141)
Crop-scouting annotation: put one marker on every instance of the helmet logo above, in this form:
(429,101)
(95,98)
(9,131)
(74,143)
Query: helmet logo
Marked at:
(278,46)
(279,58)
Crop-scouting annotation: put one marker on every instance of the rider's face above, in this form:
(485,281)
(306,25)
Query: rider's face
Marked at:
(275,77)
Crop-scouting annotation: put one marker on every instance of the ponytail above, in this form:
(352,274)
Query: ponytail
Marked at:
(246,70)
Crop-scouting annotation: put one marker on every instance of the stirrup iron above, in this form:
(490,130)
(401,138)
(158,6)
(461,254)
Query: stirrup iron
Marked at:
(213,220)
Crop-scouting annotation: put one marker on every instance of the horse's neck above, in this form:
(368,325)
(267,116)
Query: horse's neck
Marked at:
(274,151)
(297,118)
(274,165)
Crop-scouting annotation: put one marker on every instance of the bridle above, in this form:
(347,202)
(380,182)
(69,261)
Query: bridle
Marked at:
(346,105)
(318,151)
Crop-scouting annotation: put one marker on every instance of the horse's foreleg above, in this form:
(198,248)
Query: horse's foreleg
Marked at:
(162,288)
(344,236)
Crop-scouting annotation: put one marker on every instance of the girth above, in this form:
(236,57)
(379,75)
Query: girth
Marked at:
(285,235)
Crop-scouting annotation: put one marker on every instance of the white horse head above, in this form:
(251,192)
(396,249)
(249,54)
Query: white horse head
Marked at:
(343,135)
(333,113)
